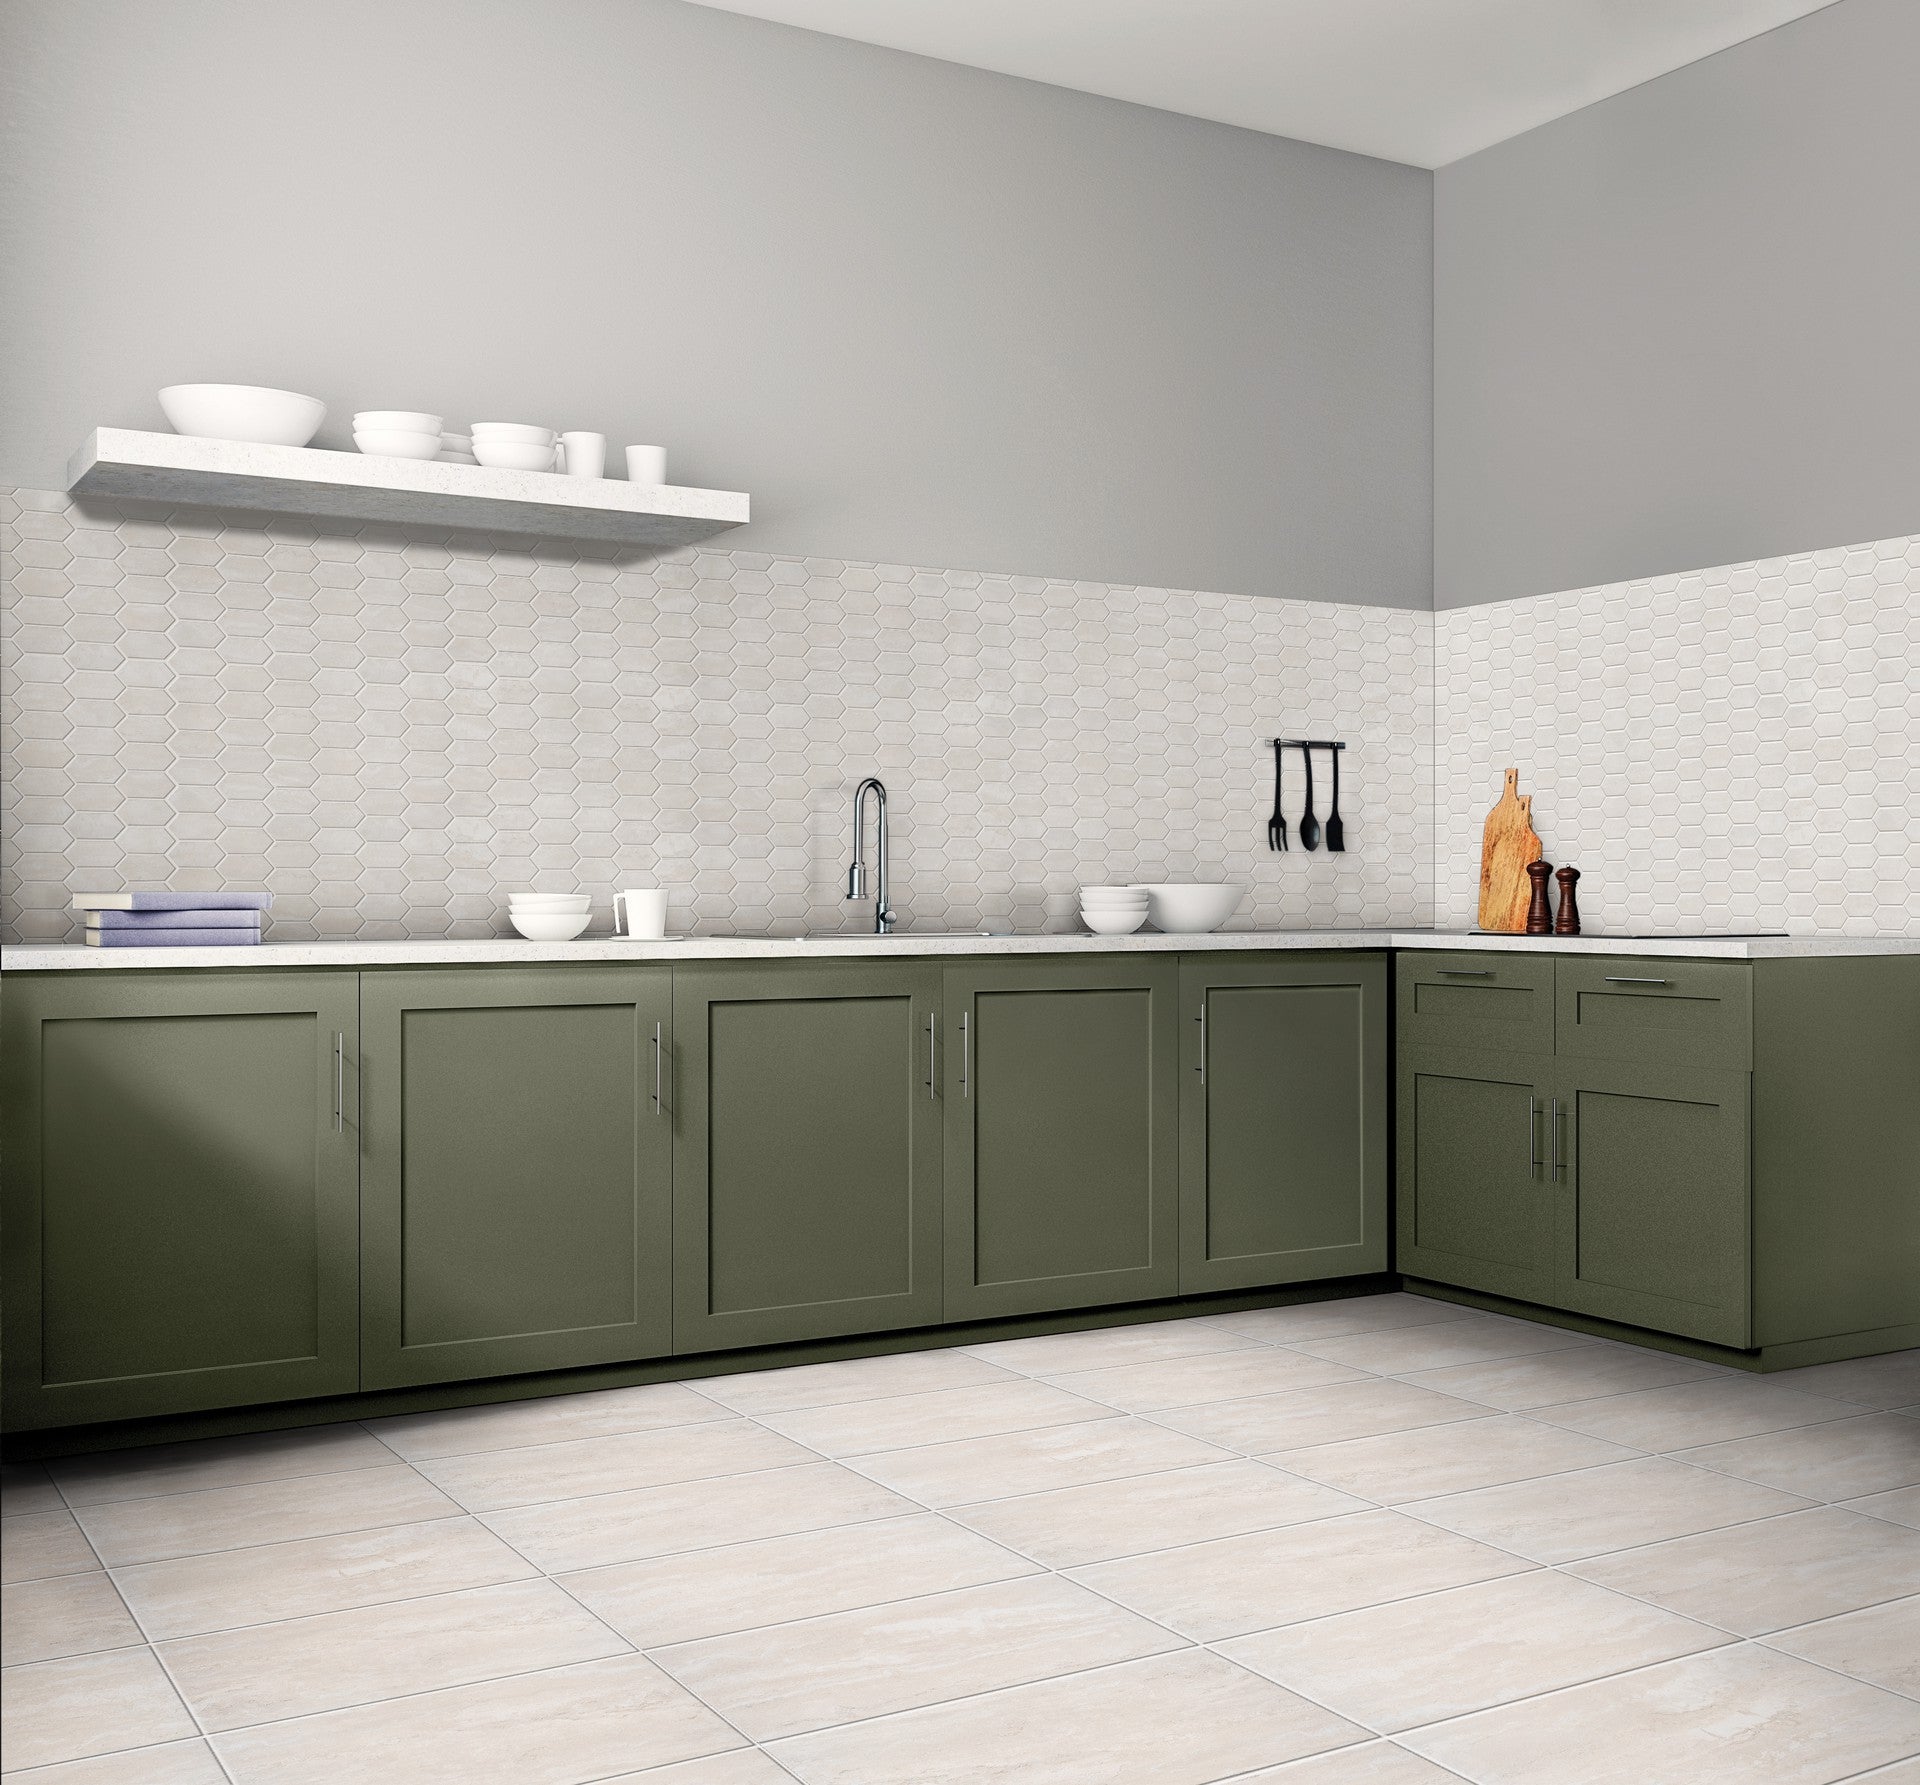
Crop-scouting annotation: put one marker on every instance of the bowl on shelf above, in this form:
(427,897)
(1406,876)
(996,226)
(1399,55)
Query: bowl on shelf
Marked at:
(250,412)
(549,926)
(1192,907)
(546,901)
(411,421)
(1118,920)
(512,455)
(523,432)
(397,443)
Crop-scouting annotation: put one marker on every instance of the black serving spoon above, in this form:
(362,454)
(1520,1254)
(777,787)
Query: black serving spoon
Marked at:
(1277,824)
(1309,825)
(1336,831)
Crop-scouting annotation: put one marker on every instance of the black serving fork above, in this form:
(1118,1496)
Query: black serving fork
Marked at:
(1277,824)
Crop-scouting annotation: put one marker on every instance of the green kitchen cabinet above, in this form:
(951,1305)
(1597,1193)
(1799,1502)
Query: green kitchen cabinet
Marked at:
(1474,1181)
(516,1170)
(1651,1199)
(180,1192)
(1283,1118)
(807,1165)
(1062,1105)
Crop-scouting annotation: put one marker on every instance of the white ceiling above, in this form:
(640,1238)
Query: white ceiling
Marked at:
(1422,81)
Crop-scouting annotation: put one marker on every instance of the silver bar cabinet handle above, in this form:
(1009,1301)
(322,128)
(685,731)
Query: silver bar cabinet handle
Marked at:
(931,1020)
(339,1081)
(966,1057)
(659,1058)
(1466,972)
(1201,1019)
(1626,979)
(1559,1142)
(1533,1135)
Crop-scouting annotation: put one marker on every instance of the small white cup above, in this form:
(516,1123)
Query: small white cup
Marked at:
(583,455)
(647,464)
(641,913)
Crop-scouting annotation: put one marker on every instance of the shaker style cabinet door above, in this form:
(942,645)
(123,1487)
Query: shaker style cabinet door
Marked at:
(1652,1194)
(1283,1119)
(1062,1105)
(1475,1186)
(180,1192)
(807,1161)
(515,1185)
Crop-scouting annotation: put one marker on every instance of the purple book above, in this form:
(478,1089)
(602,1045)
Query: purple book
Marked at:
(173,901)
(173,920)
(172,938)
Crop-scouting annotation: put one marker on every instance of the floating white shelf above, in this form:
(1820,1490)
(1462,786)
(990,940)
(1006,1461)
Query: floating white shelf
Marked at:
(123,462)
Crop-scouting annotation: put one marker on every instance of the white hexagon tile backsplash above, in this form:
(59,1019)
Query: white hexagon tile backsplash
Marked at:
(391,729)
(1730,749)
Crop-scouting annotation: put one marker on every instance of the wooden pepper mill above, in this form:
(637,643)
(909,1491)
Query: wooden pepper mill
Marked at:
(1539,908)
(1566,921)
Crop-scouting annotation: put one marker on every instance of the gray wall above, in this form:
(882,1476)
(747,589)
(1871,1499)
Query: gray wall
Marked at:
(924,314)
(1678,328)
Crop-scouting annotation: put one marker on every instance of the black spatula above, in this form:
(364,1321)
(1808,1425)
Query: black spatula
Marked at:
(1309,825)
(1336,831)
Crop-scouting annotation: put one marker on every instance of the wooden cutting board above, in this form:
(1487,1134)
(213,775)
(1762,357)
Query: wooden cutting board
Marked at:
(1506,846)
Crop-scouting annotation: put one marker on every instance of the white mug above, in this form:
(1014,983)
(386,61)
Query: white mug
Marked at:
(640,913)
(583,455)
(647,464)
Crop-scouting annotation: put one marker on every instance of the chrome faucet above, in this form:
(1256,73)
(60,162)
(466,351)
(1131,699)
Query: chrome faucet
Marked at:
(857,874)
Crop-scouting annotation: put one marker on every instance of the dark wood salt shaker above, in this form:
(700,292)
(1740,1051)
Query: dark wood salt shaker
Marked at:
(1566,921)
(1539,907)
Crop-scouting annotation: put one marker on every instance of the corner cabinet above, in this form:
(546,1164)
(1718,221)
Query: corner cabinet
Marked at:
(515,1179)
(181,1192)
(1717,1150)
(1283,1119)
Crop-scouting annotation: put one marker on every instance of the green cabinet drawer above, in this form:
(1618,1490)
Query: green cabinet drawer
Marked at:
(1681,1012)
(1477,999)
(515,1192)
(1283,1118)
(181,1188)
(806,1174)
(1062,1098)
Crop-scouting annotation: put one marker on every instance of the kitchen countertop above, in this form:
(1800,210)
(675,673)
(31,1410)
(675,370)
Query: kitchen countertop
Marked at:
(431,951)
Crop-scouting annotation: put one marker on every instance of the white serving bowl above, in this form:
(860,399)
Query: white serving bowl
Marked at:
(544,927)
(397,443)
(412,421)
(249,412)
(1192,907)
(513,455)
(524,432)
(549,898)
(1112,923)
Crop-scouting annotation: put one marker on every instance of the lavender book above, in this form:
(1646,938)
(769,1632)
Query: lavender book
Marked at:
(173,901)
(229,938)
(173,920)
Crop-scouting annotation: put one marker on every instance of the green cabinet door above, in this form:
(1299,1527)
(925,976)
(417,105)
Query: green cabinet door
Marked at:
(807,1162)
(516,1191)
(1652,1202)
(1283,1118)
(1062,1104)
(180,1192)
(1476,1204)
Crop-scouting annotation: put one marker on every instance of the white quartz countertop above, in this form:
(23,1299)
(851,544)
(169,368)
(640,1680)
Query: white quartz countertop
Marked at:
(437,951)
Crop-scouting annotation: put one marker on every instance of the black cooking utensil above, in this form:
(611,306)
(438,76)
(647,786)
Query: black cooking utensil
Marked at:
(1309,825)
(1277,824)
(1336,831)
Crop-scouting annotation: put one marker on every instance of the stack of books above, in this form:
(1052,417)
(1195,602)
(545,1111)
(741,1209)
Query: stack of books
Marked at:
(172,919)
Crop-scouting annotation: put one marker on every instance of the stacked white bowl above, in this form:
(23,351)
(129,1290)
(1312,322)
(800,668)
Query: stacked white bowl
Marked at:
(514,445)
(549,916)
(1113,910)
(456,449)
(397,433)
